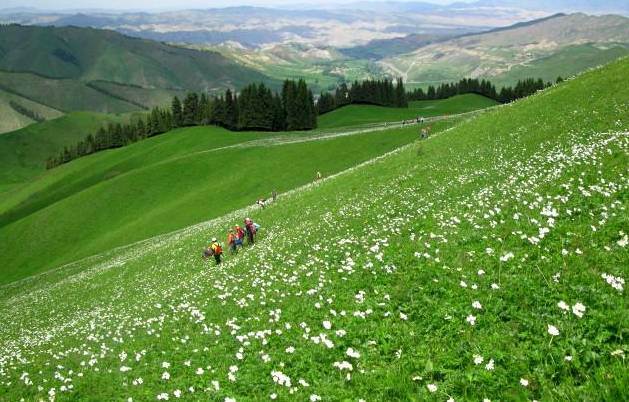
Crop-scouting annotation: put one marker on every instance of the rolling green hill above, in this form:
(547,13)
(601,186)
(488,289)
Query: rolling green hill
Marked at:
(85,69)
(12,118)
(364,114)
(162,184)
(88,54)
(23,153)
(487,262)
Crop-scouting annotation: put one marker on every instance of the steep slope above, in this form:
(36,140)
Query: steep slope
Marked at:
(74,69)
(90,54)
(486,262)
(496,53)
(17,112)
(162,184)
(23,153)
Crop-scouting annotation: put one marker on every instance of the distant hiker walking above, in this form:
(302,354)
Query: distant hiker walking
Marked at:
(319,176)
(274,195)
(240,235)
(217,250)
(251,230)
(231,241)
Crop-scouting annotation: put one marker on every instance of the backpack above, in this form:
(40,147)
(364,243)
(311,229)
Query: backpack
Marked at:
(218,249)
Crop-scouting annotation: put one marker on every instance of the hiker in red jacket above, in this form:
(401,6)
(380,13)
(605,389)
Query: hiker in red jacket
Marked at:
(251,230)
(240,235)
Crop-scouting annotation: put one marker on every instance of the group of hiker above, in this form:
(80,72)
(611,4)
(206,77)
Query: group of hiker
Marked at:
(235,240)
(417,120)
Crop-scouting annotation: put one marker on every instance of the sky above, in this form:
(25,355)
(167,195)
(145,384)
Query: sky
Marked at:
(167,4)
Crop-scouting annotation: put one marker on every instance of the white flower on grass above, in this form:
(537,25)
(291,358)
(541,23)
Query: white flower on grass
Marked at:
(177,393)
(327,324)
(495,286)
(450,400)
(273,396)
(352,353)
(578,310)
(463,284)
(477,305)
(552,330)
(481,272)
(624,241)
(478,359)
(216,385)
(281,378)
(431,387)
(290,349)
(199,371)
(618,352)
(524,382)
(490,365)
(563,305)
(165,375)
(228,399)
(471,319)
(568,358)
(125,369)
(314,398)
(403,316)
(165,364)
(344,365)
(163,396)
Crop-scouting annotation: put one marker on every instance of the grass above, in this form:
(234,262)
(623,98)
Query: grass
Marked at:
(162,184)
(493,219)
(365,114)
(23,153)
(11,120)
(63,94)
(566,63)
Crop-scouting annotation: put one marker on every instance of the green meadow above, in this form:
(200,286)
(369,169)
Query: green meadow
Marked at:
(487,262)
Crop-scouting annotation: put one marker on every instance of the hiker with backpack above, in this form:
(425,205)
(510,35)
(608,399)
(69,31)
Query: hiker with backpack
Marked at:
(231,241)
(240,235)
(217,250)
(251,230)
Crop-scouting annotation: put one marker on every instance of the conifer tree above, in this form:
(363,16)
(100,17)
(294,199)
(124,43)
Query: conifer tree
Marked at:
(177,112)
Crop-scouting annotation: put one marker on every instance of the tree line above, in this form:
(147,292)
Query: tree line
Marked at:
(523,88)
(257,107)
(23,110)
(373,92)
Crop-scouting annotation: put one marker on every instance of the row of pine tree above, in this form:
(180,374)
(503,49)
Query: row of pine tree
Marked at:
(373,92)
(523,88)
(255,108)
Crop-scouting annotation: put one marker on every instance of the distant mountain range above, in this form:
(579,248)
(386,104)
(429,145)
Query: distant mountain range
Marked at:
(557,45)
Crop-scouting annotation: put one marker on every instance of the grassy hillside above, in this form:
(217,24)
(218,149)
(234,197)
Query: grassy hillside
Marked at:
(585,41)
(476,264)
(72,69)
(364,114)
(162,184)
(91,54)
(23,153)
(566,62)
(63,94)
(12,119)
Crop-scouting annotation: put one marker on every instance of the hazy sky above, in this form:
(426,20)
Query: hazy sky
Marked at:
(166,4)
